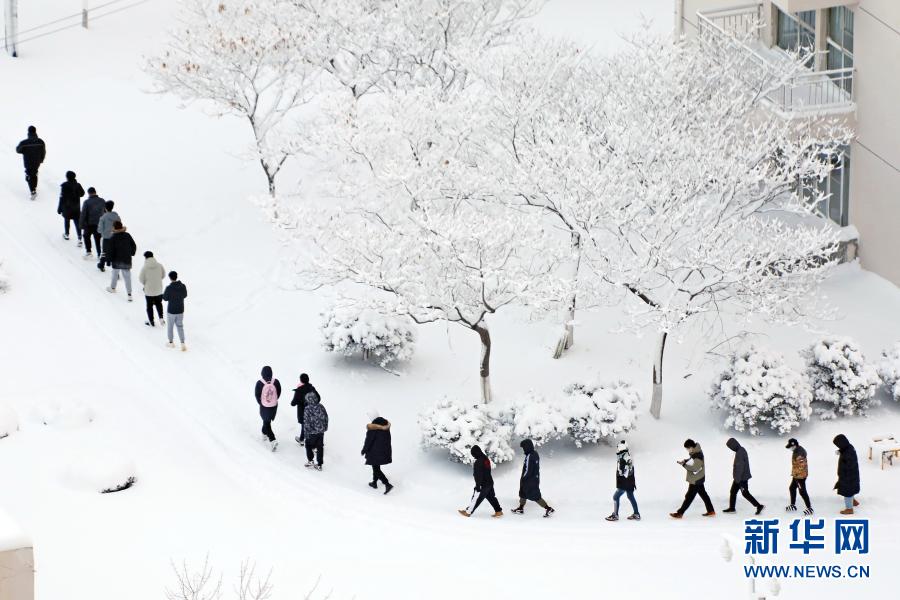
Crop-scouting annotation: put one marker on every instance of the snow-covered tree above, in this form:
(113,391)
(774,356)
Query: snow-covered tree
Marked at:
(757,389)
(457,426)
(256,59)
(843,382)
(367,332)
(600,411)
(889,370)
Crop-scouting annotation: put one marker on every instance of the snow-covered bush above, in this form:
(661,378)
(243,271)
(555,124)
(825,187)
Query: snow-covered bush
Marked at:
(889,370)
(457,426)
(532,416)
(758,388)
(366,332)
(9,422)
(600,410)
(68,415)
(843,383)
(103,471)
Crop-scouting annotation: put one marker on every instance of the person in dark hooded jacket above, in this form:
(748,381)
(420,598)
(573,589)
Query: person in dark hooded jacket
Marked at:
(377,450)
(33,151)
(484,485)
(695,465)
(625,483)
(799,473)
(530,480)
(299,400)
(120,249)
(740,475)
(315,424)
(70,194)
(267,413)
(91,211)
(848,473)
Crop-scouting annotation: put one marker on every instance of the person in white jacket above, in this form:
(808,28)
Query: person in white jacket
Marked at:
(151,277)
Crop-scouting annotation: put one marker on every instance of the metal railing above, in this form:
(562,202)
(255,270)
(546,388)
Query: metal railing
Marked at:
(810,91)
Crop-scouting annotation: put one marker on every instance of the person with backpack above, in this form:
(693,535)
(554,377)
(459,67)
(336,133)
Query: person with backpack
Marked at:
(70,193)
(847,484)
(315,424)
(105,227)
(530,480)
(33,151)
(174,296)
(484,485)
(267,392)
(120,249)
(696,478)
(299,400)
(151,277)
(377,450)
(740,475)
(625,483)
(91,211)
(799,473)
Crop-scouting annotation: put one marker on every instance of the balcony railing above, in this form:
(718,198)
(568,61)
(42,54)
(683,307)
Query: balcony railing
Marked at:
(807,92)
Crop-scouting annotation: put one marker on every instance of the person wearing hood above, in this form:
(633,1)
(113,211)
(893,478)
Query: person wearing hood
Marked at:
(377,450)
(69,207)
(105,227)
(267,392)
(315,424)
(33,151)
(304,389)
(696,479)
(174,296)
(799,473)
(484,485)
(530,480)
(91,211)
(625,483)
(151,277)
(119,250)
(740,475)
(848,473)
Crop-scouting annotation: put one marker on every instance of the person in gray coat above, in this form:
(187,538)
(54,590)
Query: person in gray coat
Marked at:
(105,228)
(740,474)
(91,211)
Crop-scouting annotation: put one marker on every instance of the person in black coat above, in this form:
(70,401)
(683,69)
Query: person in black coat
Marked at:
(33,151)
(530,481)
(91,211)
(377,450)
(625,483)
(119,249)
(740,475)
(70,194)
(484,485)
(267,413)
(848,473)
(299,400)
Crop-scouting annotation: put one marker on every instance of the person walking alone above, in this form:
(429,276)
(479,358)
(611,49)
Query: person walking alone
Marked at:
(530,480)
(91,211)
(105,227)
(70,194)
(696,478)
(174,296)
(315,424)
(33,151)
(151,277)
(848,473)
(484,485)
(377,450)
(625,483)
(267,392)
(799,473)
(740,474)
(301,392)
(121,248)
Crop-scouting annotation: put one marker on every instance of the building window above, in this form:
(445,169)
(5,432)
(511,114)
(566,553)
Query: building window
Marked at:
(840,44)
(797,32)
(835,190)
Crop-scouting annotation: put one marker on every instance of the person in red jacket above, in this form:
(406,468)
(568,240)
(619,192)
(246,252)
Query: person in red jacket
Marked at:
(484,485)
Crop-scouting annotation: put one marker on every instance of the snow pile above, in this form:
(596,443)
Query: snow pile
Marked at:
(9,421)
(70,415)
(889,370)
(103,471)
(841,379)
(366,332)
(758,388)
(600,410)
(457,426)
(532,416)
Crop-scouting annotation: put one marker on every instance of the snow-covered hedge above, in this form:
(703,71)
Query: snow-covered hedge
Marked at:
(534,417)
(352,331)
(599,411)
(9,421)
(843,383)
(757,389)
(889,370)
(457,426)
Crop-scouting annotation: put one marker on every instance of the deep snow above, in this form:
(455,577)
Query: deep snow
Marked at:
(207,484)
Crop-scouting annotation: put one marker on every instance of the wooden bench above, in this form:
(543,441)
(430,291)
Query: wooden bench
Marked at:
(887,447)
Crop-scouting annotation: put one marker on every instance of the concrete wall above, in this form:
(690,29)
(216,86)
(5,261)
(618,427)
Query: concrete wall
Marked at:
(17,574)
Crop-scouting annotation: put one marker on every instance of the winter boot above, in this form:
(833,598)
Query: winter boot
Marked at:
(149,324)
(373,485)
(33,194)
(711,513)
(635,517)
(497,514)
(847,511)
(464,512)
(613,517)
(111,290)
(80,243)
(183,348)
(808,511)
(274,445)
(318,467)
(759,509)
(855,502)
(548,512)
(65,236)
(387,488)
(676,515)
(130,298)
(791,508)
(729,510)
(87,256)
(518,510)
(309,464)
(170,345)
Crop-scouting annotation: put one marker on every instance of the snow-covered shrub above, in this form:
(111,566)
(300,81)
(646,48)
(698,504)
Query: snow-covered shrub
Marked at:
(68,415)
(843,383)
(758,388)
(103,471)
(600,410)
(532,416)
(457,426)
(9,422)
(366,332)
(889,370)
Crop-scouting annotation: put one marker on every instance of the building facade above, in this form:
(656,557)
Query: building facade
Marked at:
(854,73)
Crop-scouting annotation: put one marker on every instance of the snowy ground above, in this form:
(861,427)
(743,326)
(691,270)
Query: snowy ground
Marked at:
(189,422)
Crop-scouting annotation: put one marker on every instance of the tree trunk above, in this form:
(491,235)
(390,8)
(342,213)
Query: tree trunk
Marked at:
(656,400)
(567,338)
(485,368)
